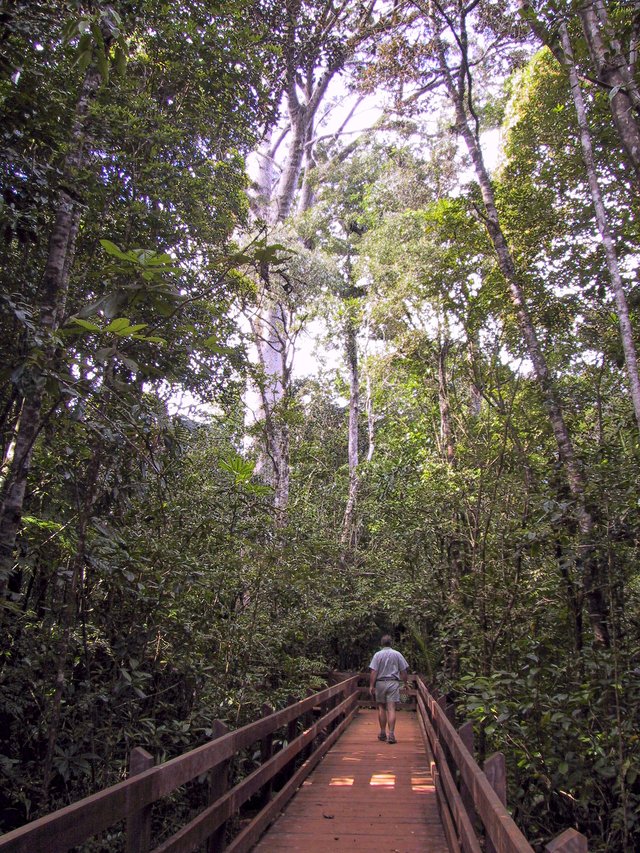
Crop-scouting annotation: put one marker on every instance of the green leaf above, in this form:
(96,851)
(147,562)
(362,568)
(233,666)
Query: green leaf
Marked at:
(85,324)
(103,66)
(84,60)
(118,325)
(112,249)
(241,468)
(120,60)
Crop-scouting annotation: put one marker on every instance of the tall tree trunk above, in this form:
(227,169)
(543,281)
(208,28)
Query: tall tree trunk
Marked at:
(624,319)
(307,81)
(461,100)
(54,294)
(270,332)
(349,533)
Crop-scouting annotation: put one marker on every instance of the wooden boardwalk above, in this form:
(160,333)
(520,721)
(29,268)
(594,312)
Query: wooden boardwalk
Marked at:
(364,795)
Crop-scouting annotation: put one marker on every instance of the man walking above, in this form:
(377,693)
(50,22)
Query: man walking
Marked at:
(388,668)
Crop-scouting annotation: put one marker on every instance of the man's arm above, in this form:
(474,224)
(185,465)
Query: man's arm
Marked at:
(372,681)
(404,675)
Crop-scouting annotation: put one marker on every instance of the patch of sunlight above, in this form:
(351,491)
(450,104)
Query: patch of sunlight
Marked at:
(383,780)
(341,781)
(422,783)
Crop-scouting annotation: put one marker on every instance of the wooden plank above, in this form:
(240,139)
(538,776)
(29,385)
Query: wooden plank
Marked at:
(495,769)
(465,732)
(570,841)
(197,830)
(266,752)
(366,796)
(138,828)
(424,717)
(453,798)
(447,821)
(218,784)
(72,825)
(422,725)
(251,833)
(497,821)
(467,836)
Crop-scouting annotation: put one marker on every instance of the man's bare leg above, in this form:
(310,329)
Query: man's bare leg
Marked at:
(391,715)
(382,718)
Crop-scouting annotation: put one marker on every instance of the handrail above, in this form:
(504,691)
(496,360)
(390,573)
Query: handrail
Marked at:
(500,831)
(70,826)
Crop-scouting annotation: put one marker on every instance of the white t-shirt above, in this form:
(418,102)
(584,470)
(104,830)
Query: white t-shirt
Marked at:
(388,664)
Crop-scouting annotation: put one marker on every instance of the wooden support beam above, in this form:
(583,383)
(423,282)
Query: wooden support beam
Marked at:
(138,829)
(495,769)
(218,784)
(570,841)
(445,815)
(466,736)
(266,751)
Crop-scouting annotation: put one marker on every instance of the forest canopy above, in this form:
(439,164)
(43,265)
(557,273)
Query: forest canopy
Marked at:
(319,320)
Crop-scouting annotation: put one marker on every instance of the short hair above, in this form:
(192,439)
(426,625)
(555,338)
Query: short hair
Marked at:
(386,640)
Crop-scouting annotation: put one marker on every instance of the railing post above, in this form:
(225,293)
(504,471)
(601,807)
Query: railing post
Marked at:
(496,772)
(570,841)
(266,751)
(466,736)
(413,685)
(138,831)
(449,710)
(218,784)
(306,724)
(292,726)
(450,714)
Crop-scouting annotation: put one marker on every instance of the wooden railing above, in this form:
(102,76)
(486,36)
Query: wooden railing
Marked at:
(309,728)
(473,800)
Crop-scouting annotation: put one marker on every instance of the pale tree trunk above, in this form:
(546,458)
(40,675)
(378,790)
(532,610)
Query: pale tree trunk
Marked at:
(461,101)
(270,333)
(54,294)
(624,319)
(349,524)
(307,198)
(371,423)
(272,329)
(306,85)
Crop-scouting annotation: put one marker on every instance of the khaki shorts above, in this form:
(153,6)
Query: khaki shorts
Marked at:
(387,691)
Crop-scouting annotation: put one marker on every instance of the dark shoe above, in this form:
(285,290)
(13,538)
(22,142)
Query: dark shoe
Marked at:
(392,739)
(382,736)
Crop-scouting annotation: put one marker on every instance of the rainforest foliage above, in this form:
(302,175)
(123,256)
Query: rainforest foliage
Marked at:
(189,200)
